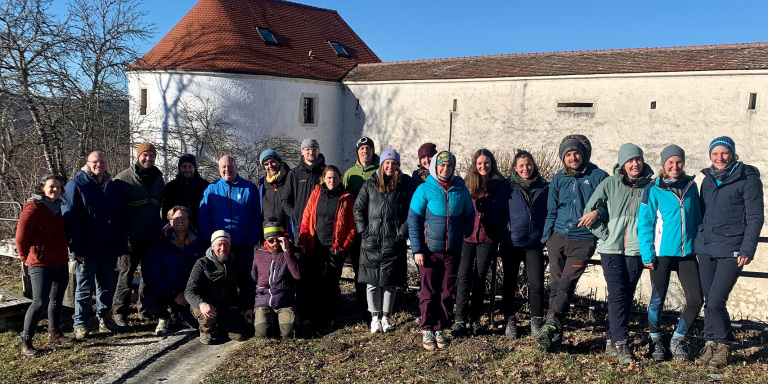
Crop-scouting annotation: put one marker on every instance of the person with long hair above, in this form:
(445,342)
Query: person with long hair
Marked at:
(520,209)
(440,216)
(381,215)
(669,219)
(732,201)
(479,249)
(42,246)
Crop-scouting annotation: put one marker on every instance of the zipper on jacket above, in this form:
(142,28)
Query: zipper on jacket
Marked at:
(626,227)
(270,278)
(682,218)
(447,217)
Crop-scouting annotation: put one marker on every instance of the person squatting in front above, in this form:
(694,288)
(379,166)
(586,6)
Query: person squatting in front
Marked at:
(440,216)
(617,243)
(669,219)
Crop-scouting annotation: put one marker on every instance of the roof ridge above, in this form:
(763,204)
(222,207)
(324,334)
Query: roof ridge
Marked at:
(301,5)
(671,48)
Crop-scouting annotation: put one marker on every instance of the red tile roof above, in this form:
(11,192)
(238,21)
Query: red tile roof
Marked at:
(221,36)
(642,60)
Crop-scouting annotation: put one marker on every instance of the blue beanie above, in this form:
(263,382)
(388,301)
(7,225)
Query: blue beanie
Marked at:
(389,154)
(724,141)
(269,153)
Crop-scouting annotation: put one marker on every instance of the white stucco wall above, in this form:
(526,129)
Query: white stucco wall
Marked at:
(251,104)
(691,110)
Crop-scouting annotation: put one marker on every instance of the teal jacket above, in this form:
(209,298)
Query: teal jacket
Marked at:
(668,224)
(619,205)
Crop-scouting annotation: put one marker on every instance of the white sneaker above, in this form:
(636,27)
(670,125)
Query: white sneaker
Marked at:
(375,325)
(386,326)
(162,327)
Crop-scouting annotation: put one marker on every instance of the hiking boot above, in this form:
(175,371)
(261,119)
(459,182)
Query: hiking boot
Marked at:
(459,329)
(428,340)
(510,331)
(104,326)
(58,338)
(721,355)
(610,349)
(386,326)
(80,333)
(440,339)
(679,349)
(706,353)
(118,320)
(536,323)
(162,327)
(376,325)
(549,338)
(623,353)
(657,350)
(27,349)
(206,338)
(477,328)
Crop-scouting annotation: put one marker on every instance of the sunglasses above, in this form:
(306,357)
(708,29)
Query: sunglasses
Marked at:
(273,240)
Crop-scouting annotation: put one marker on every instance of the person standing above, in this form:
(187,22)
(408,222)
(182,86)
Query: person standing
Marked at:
(732,201)
(271,187)
(302,180)
(381,215)
(566,232)
(618,243)
(479,249)
(91,202)
(141,188)
(426,152)
(42,246)
(186,189)
(440,216)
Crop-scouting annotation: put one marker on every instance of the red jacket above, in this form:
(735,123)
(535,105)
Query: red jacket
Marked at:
(344,231)
(40,237)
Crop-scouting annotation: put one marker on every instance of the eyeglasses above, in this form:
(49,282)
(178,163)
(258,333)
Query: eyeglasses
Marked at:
(180,219)
(273,240)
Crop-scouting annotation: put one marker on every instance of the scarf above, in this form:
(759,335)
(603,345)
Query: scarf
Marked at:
(53,205)
(675,185)
(271,179)
(629,182)
(528,187)
(720,175)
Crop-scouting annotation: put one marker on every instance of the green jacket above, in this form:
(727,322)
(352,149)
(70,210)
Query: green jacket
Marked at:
(619,204)
(355,177)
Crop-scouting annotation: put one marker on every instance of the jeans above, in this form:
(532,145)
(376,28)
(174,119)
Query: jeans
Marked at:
(94,274)
(48,286)
(567,262)
(534,265)
(473,268)
(622,273)
(718,276)
(688,273)
(128,264)
(438,280)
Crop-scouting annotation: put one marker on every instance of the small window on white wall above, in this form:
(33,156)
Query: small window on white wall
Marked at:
(308,109)
(143,101)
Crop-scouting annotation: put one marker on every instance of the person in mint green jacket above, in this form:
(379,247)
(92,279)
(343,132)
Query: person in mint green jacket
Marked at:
(670,215)
(618,199)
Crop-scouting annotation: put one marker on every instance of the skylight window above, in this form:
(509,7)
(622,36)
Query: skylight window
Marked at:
(340,51)
(267,36)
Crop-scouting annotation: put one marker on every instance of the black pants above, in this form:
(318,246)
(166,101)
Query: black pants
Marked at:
(688,273)
(475,261)
(718,276)
(622,274)
(157,304)
(567,262)
(533,257)
(127,265)
(318,292)
(48,286)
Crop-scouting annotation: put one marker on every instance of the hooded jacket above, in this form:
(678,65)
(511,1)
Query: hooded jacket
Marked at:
(382,222)
(516,222)
(185,192)
(139,213)
(344,231)
(40,238)
(439,220)
(568,196)
(616,229)
(167,267)
(275,275)
(357,175)
(222,285)
(733,213)
(271,199)
(233,207)
(667,224)
(298,186)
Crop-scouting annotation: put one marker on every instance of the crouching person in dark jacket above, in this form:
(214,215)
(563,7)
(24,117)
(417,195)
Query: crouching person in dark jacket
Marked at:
(220,292)
(167,268)
(275,270)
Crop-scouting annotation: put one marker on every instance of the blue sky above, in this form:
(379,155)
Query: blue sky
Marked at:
(411,30)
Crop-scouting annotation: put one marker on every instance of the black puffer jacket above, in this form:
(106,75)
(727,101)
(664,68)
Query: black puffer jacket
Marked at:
(382,221)
(271,199)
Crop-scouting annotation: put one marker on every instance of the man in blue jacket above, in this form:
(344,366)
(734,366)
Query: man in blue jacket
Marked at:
(566,232)
(232,204)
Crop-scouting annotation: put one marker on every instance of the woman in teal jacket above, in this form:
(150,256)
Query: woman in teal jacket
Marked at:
(669,218)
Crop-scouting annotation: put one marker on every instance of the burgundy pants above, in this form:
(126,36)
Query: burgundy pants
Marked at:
(438,281)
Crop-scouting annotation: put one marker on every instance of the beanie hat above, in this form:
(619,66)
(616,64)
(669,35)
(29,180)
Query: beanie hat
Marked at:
(269,153)
(273,228)
(445,157)
(220,235)
(365,141)
(310,143)
(672,150)
(571,144)
(187,158)
(724,141)
(389,154)
(628,152)
(145,147)
(427,149)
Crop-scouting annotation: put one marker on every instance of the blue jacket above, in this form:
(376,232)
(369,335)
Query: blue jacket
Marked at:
(167,267)
(667,224)
(568,196)
(90,217)
(234,208)
(517,223)
(733,213)
(438,220)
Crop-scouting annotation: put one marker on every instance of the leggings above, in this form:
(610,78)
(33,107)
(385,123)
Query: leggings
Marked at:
(688,273)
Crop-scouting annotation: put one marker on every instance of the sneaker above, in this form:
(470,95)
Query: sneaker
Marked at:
(440,339)
(510,331)
(657,350)
(386,326)
(610,349)
(80,333)
(376,325)
(477,328)
(206,338)
(679,349)
(536,323)
(706,353)
(459,329)
(721,355)
(549,338)
(162,327)
(428,340)
(119,321)
(623,353)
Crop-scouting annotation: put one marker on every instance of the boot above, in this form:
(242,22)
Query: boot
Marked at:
(510,331)
(623,353)
(536,323)
(721,355)
(27,349)
(58,338)
(706,354)
(679,349)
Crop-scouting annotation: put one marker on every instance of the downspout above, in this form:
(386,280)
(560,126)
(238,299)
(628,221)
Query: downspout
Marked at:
(450,124)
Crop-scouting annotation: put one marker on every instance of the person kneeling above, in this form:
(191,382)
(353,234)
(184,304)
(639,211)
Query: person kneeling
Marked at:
(220,292)
(275,270)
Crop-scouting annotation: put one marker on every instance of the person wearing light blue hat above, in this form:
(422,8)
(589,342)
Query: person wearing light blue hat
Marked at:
(271,188)
(732,201)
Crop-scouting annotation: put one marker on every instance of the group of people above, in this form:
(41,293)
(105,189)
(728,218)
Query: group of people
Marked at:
(239,258)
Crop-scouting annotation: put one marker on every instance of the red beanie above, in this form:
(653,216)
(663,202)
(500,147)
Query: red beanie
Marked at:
(427,149)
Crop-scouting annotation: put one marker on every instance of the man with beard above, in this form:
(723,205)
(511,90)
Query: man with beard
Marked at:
(302,180)
(186,189)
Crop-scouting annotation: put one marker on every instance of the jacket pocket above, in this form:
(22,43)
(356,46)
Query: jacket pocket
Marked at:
(728,230)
